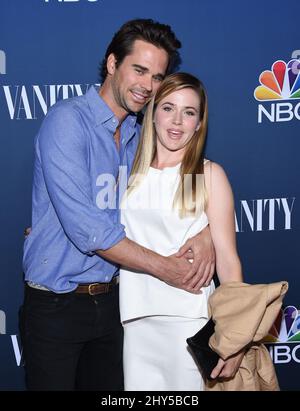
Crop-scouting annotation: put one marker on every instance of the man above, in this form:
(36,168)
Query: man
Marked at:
(70,324)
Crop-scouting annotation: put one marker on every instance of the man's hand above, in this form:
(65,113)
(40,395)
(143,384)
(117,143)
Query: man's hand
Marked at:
(169,269)
(200,249)
(172,272)
(228,368)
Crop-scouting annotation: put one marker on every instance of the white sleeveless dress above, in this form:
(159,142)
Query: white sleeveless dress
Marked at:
(157,318)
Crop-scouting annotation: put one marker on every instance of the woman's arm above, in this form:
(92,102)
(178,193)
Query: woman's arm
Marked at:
(220,213)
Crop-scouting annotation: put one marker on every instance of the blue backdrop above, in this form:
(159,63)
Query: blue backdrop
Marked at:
(52,49)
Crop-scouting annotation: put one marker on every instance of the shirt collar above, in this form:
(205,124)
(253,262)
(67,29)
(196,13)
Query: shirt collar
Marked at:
(102,113)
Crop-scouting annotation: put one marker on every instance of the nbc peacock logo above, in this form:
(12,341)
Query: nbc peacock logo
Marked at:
(282,82)
(279,84)
(284,336)
(286,327)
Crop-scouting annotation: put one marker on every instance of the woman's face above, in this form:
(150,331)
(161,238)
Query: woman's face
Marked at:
(176,119)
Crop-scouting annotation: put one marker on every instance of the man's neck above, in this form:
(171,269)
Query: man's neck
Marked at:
(106,94)
(117,137)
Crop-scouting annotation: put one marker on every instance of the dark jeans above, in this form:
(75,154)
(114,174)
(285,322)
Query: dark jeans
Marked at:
(72,341)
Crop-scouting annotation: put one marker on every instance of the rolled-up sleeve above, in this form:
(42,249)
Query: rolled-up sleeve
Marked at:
(63,152)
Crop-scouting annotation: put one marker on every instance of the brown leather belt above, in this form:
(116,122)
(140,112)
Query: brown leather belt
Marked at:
(97,288)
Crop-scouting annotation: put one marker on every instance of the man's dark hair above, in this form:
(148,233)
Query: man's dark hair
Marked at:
(160,35)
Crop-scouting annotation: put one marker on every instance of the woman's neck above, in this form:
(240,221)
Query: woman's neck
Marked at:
(166,159)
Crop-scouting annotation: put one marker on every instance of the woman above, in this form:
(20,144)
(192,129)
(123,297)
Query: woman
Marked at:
(173,194)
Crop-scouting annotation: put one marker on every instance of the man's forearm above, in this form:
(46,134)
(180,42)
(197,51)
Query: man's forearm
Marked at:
(129,254)
(169,269)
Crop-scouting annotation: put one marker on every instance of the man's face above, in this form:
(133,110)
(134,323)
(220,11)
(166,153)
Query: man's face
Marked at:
(137,78)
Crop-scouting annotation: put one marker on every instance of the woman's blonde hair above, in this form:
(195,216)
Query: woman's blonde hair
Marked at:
(191,196)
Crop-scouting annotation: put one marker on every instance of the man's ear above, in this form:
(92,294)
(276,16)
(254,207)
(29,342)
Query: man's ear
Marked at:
(111,64)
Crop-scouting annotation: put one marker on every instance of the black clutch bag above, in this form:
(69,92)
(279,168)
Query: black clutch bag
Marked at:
(205,357)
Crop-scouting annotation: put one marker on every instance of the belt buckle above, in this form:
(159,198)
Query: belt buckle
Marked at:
(90,289)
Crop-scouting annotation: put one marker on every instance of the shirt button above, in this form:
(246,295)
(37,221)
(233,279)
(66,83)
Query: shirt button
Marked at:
(113,120)
(45,261)
(106,278)
(94,239)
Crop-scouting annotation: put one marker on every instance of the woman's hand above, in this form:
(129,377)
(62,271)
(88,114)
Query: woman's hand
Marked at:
(228,368)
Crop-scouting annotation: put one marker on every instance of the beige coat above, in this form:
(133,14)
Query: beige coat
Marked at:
(243,315)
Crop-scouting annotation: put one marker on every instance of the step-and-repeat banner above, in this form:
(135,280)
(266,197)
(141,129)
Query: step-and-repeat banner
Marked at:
(246,53)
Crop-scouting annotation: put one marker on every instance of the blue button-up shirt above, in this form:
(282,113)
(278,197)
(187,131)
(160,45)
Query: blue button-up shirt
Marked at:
(73,149)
